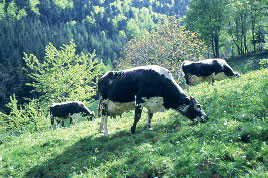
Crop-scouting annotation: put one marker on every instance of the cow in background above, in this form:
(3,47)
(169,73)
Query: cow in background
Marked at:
(152,87)
(209,69)
(66,110)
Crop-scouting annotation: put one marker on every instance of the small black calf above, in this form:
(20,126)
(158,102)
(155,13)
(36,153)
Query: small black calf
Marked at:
(65,110)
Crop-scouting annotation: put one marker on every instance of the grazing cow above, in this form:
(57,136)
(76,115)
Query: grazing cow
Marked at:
(210,69)
(65,110)
(152,87)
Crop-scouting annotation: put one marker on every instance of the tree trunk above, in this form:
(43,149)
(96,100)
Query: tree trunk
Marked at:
(212,47)
(237,37)
(253,32)
(242,32)
(217,51)
(245,43)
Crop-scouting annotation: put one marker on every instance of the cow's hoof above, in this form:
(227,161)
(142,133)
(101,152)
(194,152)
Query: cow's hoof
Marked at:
(150,128)
(132,130)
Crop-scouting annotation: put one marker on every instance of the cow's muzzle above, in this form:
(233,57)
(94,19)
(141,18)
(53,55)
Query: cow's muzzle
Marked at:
(204,118)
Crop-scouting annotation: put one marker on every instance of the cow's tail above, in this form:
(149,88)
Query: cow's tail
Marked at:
(99,106)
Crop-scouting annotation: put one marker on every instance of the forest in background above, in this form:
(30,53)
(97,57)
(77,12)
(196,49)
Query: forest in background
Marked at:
(101,26)
(229,28)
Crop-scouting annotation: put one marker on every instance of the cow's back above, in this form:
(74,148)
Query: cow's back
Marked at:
(63,109)
(202,68)
(142,82)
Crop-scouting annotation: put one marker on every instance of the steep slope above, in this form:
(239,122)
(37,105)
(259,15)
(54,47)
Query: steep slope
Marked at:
(233,143)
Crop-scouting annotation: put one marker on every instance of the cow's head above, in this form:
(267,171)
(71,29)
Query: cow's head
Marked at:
(91,115)
(193,109)
(236,74)
(85,111)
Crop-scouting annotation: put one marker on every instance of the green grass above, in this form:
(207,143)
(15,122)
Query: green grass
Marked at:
(233,143)
(244,64)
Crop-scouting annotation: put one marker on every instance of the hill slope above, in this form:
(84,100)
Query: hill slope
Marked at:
(233,143)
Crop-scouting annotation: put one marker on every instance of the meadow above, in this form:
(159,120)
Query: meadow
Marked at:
(233,143)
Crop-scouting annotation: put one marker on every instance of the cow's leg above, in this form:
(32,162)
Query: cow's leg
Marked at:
(62,123)
(71,120)
(209,82)
(188,88)
(101,124)
(104,116)
(149,126)
(52,122)
(138,110)
(187,81)
(106,133)
(212,81)
(58,123)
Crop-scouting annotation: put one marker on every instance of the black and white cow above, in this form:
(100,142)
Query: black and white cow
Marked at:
(65,110)
(152,87)
(209,69)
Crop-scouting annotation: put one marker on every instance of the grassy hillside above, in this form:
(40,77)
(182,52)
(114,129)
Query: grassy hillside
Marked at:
(244,64)
(233,143)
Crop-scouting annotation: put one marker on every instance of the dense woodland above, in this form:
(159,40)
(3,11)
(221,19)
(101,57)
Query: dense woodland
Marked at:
(102,26)
(108,28)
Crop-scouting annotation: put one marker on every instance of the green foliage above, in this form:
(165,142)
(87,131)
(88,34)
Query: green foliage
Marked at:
(12,10)
(233,143)
(229,25)
(26,118)
(2,11)
(264,63)
(63,75)
(91,18)
(168,46)
(208,19)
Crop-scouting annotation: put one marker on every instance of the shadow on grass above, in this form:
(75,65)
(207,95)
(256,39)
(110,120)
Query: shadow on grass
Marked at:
(94,151)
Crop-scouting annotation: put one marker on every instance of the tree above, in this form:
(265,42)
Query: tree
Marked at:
(208,17)
(63,75)
(168,46)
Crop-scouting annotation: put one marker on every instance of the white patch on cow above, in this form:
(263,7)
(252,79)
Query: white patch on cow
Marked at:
(197,108)
(110,82)
(77,116)
(119,108)
(56,104)
(220,76)
(154,104)
(195,78)
(183,108)
(158,69)
(62,119)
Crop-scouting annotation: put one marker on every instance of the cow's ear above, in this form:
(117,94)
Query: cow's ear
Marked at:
(193,100)
(186,101)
